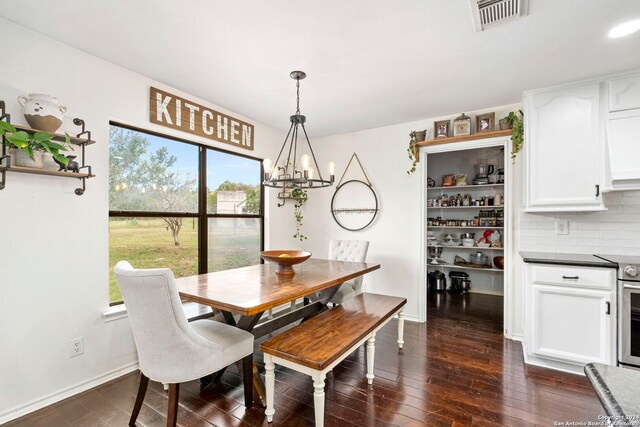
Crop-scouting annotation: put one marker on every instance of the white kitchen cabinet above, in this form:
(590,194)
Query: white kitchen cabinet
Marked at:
(564,149)
(623,149)
(570,316)
(624,93)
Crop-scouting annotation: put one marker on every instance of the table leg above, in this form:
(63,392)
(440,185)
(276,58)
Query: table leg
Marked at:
(228,318)
(327,294)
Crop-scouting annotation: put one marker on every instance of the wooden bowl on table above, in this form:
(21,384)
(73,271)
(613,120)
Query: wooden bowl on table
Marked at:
(285,260)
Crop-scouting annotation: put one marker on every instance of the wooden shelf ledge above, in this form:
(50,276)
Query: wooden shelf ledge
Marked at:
(58,136)
(452,139)
(36,171)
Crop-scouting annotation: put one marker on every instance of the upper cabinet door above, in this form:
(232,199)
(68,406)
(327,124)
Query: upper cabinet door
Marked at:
(623,143)
(624,93)
(563,149)
(623,134)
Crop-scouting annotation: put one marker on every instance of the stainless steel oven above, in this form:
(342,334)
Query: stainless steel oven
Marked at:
(628,308)
(629,322)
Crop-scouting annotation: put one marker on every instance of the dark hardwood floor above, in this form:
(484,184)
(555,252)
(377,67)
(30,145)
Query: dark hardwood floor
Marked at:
(456,369)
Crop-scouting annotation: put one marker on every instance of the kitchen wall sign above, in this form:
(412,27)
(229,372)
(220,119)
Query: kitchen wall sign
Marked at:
(354,204)
(178,113)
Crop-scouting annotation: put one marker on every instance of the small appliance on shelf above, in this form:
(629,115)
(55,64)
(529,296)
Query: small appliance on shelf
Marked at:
(482,172)
(437,281)
(460,283)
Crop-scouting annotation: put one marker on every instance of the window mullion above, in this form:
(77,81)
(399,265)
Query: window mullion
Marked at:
(203,221)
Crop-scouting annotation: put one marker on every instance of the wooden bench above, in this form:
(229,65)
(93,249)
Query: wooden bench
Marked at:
(317,345)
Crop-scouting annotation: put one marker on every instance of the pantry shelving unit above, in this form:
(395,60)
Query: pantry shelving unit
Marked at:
(459,155)
(460,158)
(464,213)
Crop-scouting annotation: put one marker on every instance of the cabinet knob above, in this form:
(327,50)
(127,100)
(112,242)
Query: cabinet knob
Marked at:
(597,190)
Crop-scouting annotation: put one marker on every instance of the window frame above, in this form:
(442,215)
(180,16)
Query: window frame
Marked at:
(201,215)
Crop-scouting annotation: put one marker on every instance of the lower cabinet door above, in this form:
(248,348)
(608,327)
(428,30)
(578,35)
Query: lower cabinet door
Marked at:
(572,325)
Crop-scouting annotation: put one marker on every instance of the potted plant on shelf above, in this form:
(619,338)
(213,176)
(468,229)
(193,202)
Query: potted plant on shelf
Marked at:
(412,152)
(29,148)
(300,196)
(514,121)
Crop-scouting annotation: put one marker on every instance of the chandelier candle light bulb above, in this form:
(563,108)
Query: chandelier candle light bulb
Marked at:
(305,161)
(267,164)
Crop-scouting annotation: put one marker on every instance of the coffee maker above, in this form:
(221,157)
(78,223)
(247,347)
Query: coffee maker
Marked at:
(483,170)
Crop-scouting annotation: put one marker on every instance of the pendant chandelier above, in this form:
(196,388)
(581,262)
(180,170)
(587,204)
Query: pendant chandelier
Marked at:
(291,172)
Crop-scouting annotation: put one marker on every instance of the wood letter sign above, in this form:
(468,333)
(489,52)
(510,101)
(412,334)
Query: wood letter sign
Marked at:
(178,113)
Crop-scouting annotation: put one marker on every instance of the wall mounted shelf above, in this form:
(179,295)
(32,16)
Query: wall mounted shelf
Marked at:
(35,171)
(464,267)
(467,187)
(474,227)
(474,248)
(82,139)
(75,140)
(467,207)
(452,139)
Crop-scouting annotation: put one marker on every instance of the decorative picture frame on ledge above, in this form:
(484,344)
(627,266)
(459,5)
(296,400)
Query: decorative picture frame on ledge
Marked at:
(441,129)
(462,125)
(485,122)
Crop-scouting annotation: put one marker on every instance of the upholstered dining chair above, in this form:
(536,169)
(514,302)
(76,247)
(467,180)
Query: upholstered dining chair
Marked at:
(348,250)
(170,349)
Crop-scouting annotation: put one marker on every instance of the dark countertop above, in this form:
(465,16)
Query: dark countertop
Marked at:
(618,390)
(581,260)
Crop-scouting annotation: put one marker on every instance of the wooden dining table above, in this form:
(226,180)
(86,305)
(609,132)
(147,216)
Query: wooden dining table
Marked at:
(248,292)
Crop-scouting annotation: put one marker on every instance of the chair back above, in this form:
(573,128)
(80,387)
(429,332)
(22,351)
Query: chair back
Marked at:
(162,334)
(349,250)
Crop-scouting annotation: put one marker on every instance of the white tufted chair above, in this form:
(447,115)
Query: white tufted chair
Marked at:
(348,250)
(170,349)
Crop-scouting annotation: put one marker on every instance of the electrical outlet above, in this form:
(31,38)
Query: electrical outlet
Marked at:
(76,347)
(562,226)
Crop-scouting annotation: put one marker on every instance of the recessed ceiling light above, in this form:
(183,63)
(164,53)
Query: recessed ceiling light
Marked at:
(625,29)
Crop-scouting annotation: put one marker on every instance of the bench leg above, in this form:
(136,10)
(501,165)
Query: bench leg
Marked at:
(400,328)
(270,380)
(318,397)
(371,350)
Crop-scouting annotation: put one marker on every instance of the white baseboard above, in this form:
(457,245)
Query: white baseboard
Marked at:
(557,365)
(52,398)
(516,337)
(409,318)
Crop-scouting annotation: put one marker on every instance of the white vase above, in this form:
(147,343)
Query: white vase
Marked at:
(42,111)
(21,158)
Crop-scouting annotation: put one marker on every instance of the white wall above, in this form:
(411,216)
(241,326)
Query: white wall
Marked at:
(395,235)
(54,263)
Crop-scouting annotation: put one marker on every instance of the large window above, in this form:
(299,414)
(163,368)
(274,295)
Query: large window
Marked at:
(177,204)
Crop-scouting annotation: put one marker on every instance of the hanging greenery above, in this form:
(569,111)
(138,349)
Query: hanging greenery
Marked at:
(300,196)
(412,152)
(517,135)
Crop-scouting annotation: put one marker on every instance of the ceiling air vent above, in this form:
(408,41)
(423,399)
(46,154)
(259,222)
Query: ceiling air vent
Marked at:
(487,13)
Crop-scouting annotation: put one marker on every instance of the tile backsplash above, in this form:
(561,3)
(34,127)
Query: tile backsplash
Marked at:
(615,231)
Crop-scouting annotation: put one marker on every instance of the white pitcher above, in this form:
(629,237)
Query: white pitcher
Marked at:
(42,112)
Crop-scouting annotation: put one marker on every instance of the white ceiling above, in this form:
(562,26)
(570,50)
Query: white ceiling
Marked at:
(370,63)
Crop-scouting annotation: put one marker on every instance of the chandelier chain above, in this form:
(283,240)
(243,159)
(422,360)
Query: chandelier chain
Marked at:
(297,96)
